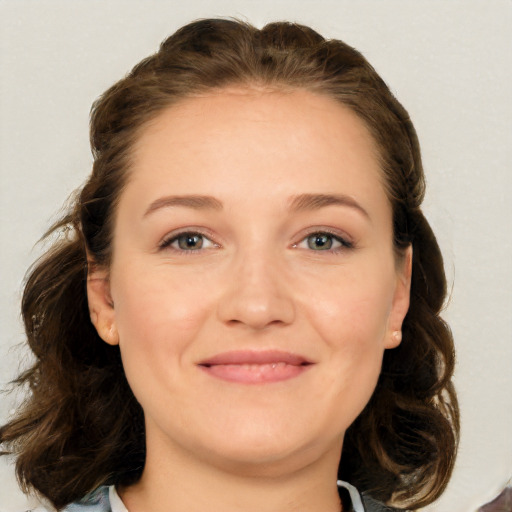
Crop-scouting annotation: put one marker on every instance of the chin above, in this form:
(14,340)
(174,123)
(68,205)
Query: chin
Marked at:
(268,450)
(263,461)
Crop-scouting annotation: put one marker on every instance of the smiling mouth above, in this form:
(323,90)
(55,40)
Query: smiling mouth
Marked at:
(251,367)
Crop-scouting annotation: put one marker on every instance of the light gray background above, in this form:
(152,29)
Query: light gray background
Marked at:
(449,62)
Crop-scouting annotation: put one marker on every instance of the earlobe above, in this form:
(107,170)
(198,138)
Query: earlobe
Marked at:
(101,305)
(401,300)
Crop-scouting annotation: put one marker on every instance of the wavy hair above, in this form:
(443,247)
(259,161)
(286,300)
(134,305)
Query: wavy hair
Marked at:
(80,425)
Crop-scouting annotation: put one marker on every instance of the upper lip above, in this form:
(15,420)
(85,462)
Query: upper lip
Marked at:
(256,357)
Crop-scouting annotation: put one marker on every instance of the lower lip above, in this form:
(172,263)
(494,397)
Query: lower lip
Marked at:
(255,373)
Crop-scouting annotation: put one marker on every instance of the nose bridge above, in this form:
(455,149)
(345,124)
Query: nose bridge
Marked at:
(256,293)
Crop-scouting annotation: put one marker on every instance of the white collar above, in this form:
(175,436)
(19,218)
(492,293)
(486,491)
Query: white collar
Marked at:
(116,504)
(357,504)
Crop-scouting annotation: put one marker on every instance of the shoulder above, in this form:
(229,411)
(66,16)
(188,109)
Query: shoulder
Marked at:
(361,502)
(371,505)
(96,501)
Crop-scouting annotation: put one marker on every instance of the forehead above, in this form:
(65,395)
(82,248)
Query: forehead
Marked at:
(274,141)
(306,114)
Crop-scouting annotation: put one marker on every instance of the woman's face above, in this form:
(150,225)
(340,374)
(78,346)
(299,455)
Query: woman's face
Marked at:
(253,286)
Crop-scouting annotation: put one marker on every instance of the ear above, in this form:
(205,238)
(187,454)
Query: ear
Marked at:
(401,300)
(101,305)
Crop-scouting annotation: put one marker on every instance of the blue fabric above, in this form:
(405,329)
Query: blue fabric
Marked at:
(96,501)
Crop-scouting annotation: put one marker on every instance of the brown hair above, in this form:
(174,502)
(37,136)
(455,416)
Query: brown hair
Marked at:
(81,426)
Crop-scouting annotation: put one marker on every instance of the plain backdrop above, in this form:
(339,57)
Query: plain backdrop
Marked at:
(448,62)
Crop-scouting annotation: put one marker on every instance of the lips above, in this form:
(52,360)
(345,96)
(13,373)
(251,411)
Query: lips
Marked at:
(255,367)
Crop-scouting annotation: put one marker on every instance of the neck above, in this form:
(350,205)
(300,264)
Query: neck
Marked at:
(181,483)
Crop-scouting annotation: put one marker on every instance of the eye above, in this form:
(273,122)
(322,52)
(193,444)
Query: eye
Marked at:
(323,241)
(187,241)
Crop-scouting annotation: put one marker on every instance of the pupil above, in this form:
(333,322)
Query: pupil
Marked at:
(320,242)
(190,242)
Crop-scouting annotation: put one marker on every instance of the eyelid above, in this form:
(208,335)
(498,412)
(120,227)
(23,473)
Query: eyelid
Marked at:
(346,241)
(170,238)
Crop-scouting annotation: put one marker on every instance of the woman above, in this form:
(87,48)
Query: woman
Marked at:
(243,306)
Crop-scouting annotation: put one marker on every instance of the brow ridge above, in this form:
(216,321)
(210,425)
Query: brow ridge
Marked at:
(304,202)
(196,202)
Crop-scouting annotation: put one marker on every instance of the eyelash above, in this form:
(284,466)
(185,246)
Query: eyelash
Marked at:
(173,238)
(344,244)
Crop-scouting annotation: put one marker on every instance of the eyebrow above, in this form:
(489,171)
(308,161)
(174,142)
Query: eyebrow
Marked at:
(302,202)
(316,201)
(195,202)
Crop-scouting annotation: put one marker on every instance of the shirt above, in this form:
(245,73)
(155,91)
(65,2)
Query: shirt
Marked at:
(106,499)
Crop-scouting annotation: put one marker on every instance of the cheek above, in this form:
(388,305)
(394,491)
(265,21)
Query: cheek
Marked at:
(353,315)
(157,317)
(352,320)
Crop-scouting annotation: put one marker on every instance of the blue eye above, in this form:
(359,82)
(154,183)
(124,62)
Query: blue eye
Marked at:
(323,241)
(320,241)
(187,241)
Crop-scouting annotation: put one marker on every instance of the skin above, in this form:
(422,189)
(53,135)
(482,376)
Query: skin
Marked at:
(259,282)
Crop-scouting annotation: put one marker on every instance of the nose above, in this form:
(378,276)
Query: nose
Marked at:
(256,294)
